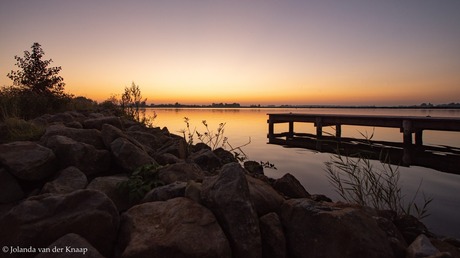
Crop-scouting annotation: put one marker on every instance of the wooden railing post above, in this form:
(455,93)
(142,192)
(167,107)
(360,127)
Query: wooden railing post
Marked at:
(319,132)
(338,131)
(291,130)
(419,137)
(407,132)
(270,129)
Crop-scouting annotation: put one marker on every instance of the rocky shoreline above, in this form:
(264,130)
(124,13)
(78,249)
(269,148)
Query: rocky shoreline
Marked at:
(60,197)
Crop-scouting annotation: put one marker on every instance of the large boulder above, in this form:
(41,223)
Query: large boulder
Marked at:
(410,227)
(153,141)
(322,230)
(41,220)
(128,155)
(28,160)
(10,190)
(88,136)
(178,227)
(109,186)
(61,118)
(164,193)
(85,157)
(206,159)
(70,246)
(421,247)
(290,187)
(273,240)
(176,146)
(67,180)
(228,196)
(111,133)
(225,156)
(263,196)
(180,172)
(96,123)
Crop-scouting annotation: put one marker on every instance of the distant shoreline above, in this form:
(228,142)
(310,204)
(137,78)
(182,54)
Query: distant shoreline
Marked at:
(304,106)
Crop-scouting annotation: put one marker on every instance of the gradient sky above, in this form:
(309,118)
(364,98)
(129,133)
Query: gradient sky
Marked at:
(356,52)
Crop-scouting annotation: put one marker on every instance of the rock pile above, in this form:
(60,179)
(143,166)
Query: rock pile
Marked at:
(59,197)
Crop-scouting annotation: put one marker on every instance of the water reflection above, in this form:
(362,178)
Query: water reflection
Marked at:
(442,158)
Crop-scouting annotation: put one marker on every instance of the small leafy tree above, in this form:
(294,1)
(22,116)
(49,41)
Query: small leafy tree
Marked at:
(36,89)
(35,75)
(131,103)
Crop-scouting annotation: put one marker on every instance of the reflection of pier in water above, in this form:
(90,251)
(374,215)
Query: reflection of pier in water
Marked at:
(443,158)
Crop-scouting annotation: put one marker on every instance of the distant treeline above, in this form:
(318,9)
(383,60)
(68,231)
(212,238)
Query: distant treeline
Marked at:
(213,105)
(237,105)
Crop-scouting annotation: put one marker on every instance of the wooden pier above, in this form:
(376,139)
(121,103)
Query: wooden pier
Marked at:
(407,124)
(405,153)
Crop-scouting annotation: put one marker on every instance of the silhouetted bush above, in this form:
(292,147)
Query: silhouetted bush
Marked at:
(37,89)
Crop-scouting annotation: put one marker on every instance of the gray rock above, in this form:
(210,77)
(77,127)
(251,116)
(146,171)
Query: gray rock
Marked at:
(10,190)
(225,156)
(28,160)
(253,167)
(40,220)
(167,158)
(421,247)
(326,230)
(128,155)
(263,196)
(61,118)
(85,157)
(153,141)
(109,186)
(193,191)
(180,172)
(206,159)
(290,187)
(227,195)
(95,115)
(61,248)
(273,240)
(178,227)
(88,136)
(410,227)
(74,124)
(96,123)
(176,146)
(396,239)
(67,180)
(111,133)
(164,193)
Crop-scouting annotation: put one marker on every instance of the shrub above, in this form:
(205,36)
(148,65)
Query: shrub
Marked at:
(358,181)
(140,182)
(21,130)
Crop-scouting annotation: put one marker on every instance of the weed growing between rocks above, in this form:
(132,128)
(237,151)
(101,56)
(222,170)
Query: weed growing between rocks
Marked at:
(140,182)
(213,139)
(357,180)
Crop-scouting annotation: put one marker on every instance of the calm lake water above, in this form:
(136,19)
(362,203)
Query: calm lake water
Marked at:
(308,166)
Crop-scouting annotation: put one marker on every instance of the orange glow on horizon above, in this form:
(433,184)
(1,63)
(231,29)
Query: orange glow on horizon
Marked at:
(300,53)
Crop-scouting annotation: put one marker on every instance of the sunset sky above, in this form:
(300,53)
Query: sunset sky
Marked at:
(357,52)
